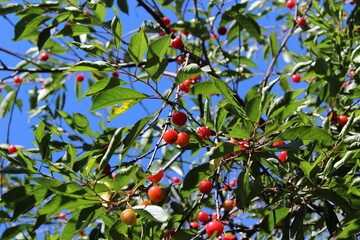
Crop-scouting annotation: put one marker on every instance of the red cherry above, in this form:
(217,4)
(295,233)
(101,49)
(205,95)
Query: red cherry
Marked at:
(229,237)
(243,145)
(185,32)
(203,132)
(333,117)
(168,234)
(301,21)
(214,228)
(157,177)
(106,170)
(82,232)
(79,77)
(44,56)
(187,82)
(177,43)
(342,120)
(279,143)
(222,30)
(351,74)
(115,74)
(205,187)
(156,194)
(194,225)
(166,21)
(345,84)
(214,35)
(180,59)
(283,156)
(17,80)
(183,87)
(183,139)
(214,216)
(232,183)
(62,215)
(290,4)
(228,204)
(296,78)
(179,118)
(12,149)
(170,136)
(203,217)
(173,30)
(176,180)
(195,78)
(86,12)
(67,24)
(352,2)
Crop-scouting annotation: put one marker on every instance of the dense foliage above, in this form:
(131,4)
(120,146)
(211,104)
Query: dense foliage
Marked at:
(266,145)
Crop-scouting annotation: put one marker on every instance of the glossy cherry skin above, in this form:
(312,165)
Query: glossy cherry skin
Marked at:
(205,187)
(170,136)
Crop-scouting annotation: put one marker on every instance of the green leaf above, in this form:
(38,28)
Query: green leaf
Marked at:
(11,233)
(304,133)
(92,66)
(250,25)
(223,149)
(42,139)
(273,43)
(221,114)
(104,84)
(152,212)
(298,223)
(232,12)
(273,218)
(239,130)
(243,190)
(80,218)
(113,145)
(10,8)
(137,46)
(15,170)
(350,227)
(74,30)
(27,27)
(124,175)
(116,28)
(187,72)
(99,11)
(91,48)
(6,104)
(43,37)
(156,65)
(24,198)
(355,55)
(283,102)
(134,133)
(81,124)
(331,219)
(123,5)
(228,93)
(253,110)
(70,189)
(193,178)
(59,202)
(114,96)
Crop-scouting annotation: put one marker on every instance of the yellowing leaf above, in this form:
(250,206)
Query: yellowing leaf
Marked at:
(116,110)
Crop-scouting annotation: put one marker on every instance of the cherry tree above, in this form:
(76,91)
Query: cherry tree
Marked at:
(207,120)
